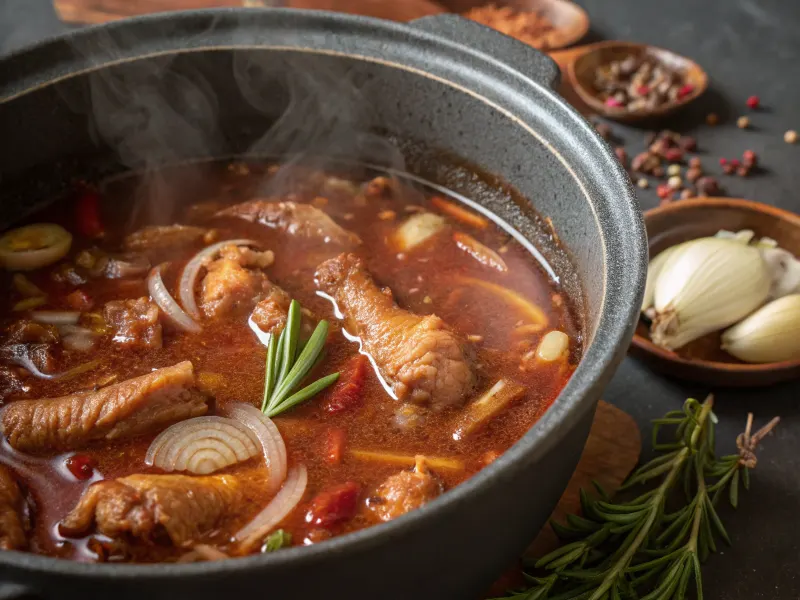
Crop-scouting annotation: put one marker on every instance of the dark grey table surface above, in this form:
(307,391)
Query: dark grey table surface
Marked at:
(748,47)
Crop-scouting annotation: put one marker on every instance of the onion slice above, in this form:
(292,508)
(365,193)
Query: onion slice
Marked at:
(192,269)
(56,317)
(271,441)
(202,445)
(162,297)
(279,507)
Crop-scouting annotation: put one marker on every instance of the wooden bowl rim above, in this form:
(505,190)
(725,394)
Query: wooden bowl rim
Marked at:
(581,17)
(591,100)
(649,347)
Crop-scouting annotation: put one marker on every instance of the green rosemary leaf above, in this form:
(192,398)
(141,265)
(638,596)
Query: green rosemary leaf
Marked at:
(306,393)
(698,578)
(746,477)
(270,370)
(303,364)
(290,333)
(734,489)
(566,559)
(716,522)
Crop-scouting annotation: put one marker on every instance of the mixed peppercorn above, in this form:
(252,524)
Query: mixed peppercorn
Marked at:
(639,83)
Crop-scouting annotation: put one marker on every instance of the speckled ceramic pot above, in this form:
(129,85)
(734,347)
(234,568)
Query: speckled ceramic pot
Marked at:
(446,83)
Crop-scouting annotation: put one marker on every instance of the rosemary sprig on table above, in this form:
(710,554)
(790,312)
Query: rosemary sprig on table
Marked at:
(639,549)
(288,362)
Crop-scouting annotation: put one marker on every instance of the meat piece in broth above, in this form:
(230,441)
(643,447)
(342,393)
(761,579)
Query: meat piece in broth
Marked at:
(135,322)
(158,238)
(234,281)
(136,406)
(301,220)
(405,491)
(14,522)
(145,506)
(271,312)
(419,356)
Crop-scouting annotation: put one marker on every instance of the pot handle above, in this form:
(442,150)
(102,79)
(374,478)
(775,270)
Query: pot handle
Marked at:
(526,59)
(15,591)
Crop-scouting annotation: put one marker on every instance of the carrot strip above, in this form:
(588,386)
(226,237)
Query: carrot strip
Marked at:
(407,460)
(531,310)
(461,214)
(482,410)
(334,446)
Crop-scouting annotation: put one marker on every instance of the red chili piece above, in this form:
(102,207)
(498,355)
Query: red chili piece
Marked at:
(81,466)
(334,506)
(613,103)
(79,300)
(334,446)
(87,213)
(347,391)
(753,102)
(685,90)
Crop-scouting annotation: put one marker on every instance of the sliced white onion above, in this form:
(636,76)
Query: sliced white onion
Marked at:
(80,342)
(282,504)
(162,297)
(56,317)
(202,445)
(271,441)
(192,269)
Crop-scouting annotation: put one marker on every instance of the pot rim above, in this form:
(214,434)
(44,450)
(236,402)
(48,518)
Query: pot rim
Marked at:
(625,260)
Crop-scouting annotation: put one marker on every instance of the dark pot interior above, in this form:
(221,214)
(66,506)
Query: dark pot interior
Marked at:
(94,103)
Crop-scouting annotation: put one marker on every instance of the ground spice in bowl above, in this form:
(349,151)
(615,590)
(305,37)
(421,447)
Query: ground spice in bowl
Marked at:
(532,27)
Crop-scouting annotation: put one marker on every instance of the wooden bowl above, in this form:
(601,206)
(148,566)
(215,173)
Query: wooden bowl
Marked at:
(393,10)
(570,21)
(703,361)
(582,68)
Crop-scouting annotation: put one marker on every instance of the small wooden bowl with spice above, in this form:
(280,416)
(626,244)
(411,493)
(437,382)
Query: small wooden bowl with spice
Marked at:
(631,82)
(543,24)
(703,359)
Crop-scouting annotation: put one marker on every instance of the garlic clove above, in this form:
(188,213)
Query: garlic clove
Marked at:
(784,270)
(771,334)
(653,270)
(705,285)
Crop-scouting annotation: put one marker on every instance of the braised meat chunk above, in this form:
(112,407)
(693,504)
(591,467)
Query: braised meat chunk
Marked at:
(404,492)
(301,220)
(135,322)
(421,358)
(234,281)
(271,312)
(14,522)
(157,238)
(136,406)
(146,506)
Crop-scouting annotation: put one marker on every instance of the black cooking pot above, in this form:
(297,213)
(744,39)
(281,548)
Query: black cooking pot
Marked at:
(444,82)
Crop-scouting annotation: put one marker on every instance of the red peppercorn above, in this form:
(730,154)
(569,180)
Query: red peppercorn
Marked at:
(674,155)
(753,102)
(643,90)
(688,143)
(663,191)
(749,158)
(735,163)
(685,90)
(81,466)
(729,168)
(723,161)
(613,103)
(743,171)
(695,162)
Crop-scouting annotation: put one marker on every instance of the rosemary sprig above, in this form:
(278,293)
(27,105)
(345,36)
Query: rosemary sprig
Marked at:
(288,362)
(639,549)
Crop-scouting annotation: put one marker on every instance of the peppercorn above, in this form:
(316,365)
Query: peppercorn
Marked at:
(749,158)
(675,182)
(686,194)
(658,171)
(674,170)
(663,191)
(674,155)
(695,162)
(753,102)
(708,186)
(743,122)
(688,143)
(693,174)
(660,147)
(743,171)
(712,119)
(622,156)
(723,162)
(735,163)
(643,183)
(729,169)
(790,137)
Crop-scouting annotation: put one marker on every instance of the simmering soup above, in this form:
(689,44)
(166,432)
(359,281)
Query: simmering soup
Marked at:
(257,370)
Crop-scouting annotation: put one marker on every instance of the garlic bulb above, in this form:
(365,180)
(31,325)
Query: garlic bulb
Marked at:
(771,334)
(743,236)
(653,271)
(705,285)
